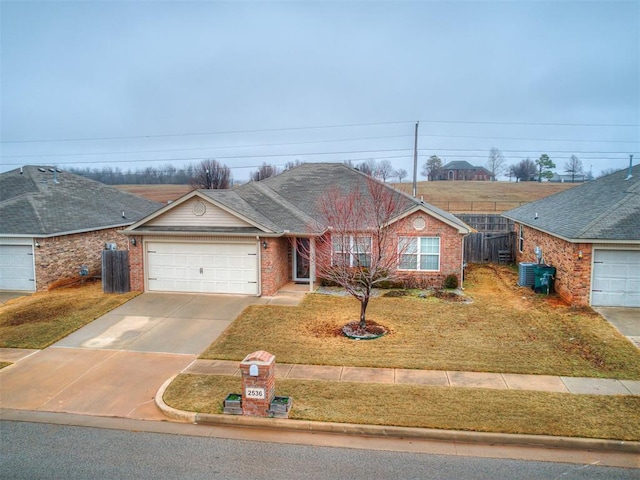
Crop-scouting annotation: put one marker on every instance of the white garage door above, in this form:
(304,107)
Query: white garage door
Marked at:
(202,267)
(16,268)
(616,278)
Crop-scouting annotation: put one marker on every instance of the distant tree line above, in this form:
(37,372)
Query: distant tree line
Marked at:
(211,174)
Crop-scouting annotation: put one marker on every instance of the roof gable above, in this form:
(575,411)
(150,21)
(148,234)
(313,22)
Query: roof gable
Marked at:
(606,209)
(196,212)
(45,201)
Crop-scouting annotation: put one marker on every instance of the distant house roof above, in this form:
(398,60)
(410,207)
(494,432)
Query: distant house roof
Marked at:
(459,165)
(463,165)
(45,201)
(606,209)
(289,202)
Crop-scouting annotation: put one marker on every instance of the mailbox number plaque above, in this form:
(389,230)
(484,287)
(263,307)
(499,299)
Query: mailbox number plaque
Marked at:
(255,392)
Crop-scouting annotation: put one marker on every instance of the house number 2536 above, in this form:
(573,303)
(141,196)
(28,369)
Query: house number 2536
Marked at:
(258,393)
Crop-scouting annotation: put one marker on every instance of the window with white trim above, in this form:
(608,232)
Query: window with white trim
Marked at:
(419,253)
(351,250)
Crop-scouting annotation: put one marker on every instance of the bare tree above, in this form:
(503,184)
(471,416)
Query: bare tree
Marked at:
(401,174)
(524,171)
(385,170)
(358,250)
(574,167)
(264,171)
(292,164)
(608,171)
(211,174)
(369,167)
(432,167)
(495,163)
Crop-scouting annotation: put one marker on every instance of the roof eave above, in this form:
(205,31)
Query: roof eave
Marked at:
(63,233)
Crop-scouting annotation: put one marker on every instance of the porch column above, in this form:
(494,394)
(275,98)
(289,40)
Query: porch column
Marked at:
(312,262)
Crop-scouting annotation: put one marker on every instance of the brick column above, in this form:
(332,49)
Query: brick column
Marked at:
(258,383)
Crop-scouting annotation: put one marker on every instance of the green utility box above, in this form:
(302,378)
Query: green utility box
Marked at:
(543,278)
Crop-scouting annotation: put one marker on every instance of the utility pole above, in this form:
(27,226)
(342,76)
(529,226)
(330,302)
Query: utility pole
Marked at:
(415,162)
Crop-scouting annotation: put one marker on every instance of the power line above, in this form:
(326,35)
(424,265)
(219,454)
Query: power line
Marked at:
(384,137)
(230,132)
(532,139)
(317,127)
(206,148)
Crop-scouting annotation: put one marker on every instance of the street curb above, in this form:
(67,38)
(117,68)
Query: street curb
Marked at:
(546,441)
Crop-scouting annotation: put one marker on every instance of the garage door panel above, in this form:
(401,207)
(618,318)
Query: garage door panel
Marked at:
(616,278)
(16,267)
(203,268)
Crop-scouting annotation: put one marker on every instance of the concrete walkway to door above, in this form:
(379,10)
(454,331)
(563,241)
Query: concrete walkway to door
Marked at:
(115,365)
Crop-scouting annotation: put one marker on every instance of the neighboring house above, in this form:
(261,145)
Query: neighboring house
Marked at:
(53,223)
(461,170)
(591,234)
(250,240)
(579,178)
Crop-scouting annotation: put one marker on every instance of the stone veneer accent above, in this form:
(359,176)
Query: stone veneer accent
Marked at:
(573,275)
(58,259)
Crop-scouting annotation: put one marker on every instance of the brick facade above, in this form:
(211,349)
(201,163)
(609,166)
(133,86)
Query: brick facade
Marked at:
(276,264)
(58,259)
(136,264)
(276,260)
(573,274)
(451,252)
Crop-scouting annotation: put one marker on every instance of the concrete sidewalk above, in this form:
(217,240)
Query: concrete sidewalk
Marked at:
(498,381)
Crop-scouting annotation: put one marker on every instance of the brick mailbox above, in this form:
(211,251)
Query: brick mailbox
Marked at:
(258,383)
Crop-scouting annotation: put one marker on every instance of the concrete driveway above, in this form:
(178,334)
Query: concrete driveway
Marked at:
(115,365)
(625,319)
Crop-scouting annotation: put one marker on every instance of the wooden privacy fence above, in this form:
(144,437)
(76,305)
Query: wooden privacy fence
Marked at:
(487,222)
(484,247)
(115,271)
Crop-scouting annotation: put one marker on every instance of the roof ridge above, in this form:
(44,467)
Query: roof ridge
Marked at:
(293,209)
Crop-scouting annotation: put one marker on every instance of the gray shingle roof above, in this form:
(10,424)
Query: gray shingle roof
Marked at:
(40,202)
(459,165)
(605,209)
(290,201)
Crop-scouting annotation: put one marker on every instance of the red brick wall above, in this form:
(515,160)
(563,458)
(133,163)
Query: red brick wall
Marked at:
(573,275)
(58,259)
(136,264)
(450,249)
(275,264)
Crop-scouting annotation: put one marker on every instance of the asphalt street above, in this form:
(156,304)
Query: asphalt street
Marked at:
(37,450)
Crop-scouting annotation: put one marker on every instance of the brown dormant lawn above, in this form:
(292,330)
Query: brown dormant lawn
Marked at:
(471,409)
(506,329)
(38,320)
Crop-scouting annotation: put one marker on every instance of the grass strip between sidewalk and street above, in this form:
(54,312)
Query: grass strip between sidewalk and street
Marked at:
(448,408)
(38,320)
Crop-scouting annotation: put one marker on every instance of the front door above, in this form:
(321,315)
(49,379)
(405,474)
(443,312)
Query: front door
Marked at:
(301,263)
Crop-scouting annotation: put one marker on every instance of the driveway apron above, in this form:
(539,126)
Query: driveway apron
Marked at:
(115,365)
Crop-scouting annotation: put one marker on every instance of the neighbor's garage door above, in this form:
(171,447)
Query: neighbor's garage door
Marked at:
(202,267)
(16,268)
(616,278)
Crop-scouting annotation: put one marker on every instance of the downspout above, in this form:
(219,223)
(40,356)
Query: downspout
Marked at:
(463,263)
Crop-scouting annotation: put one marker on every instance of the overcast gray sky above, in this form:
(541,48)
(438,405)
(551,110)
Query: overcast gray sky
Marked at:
(176,82)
